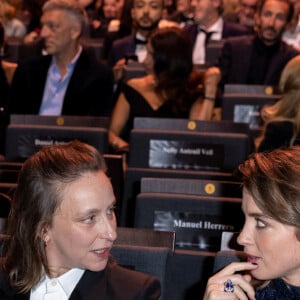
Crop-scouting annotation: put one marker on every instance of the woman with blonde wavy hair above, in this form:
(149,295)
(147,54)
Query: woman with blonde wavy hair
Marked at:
(282,119)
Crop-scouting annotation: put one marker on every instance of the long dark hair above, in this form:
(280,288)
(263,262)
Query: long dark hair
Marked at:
(173,68)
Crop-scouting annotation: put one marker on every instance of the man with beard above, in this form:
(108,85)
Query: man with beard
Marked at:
(146,15)
(259,59)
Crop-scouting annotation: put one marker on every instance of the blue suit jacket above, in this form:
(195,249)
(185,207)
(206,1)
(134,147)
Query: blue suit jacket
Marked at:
(90,90)
(114,283)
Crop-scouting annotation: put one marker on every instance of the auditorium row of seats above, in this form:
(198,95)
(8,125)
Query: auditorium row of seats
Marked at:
(16,51)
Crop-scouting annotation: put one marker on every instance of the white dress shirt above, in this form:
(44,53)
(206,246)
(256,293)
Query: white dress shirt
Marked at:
(59,288)
(55,88)
(140,49)
(199,47)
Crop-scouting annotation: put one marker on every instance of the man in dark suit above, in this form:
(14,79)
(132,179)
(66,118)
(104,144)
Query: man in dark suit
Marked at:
(66,81)
(210,25)
(146,15)
(259,59)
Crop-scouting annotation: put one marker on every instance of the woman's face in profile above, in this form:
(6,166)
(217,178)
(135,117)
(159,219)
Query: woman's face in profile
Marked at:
(271,245)
(84,225)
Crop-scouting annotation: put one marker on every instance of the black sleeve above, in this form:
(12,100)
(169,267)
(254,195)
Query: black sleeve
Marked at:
(277,134)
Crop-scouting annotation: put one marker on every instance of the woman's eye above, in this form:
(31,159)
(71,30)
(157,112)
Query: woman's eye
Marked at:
(111,210)
(260,223)
(89,219)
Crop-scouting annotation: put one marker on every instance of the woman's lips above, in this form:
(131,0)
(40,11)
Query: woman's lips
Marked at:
(253,259)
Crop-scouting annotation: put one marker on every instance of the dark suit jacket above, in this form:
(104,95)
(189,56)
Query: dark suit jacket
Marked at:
(229,30)
(4,88)
(277,135)
(114,283)
(235,61)
(90,90)
(120,48)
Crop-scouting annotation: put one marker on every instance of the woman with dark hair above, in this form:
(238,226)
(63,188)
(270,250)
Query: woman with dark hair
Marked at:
(271,233)
(62,227)
(172,88)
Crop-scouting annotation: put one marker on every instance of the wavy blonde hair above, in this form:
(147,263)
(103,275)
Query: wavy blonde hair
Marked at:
(287,108)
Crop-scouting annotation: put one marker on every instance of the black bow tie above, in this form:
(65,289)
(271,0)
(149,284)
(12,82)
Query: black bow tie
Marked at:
(140,41)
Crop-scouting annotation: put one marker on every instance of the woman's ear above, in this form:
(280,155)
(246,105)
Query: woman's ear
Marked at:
(43,233)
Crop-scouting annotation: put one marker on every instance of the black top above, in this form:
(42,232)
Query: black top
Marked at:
(139,107)
(277,134)
(277,289)
(260,60)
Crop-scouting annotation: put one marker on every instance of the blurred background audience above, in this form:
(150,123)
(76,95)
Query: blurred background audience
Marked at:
(172,88)
(183,15)
(259,59)
(244,13)
(13,26)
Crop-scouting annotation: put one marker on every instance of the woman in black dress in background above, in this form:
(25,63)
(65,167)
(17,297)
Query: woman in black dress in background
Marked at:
(172,88)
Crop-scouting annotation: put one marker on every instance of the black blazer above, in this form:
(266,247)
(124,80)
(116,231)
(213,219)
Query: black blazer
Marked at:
(90,90)
(235,57)
(113,283)
(277,135)
(120,48)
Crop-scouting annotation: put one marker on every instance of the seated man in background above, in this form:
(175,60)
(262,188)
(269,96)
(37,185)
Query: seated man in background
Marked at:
(210,25)
(260,58)
(68,80)
(146,15)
